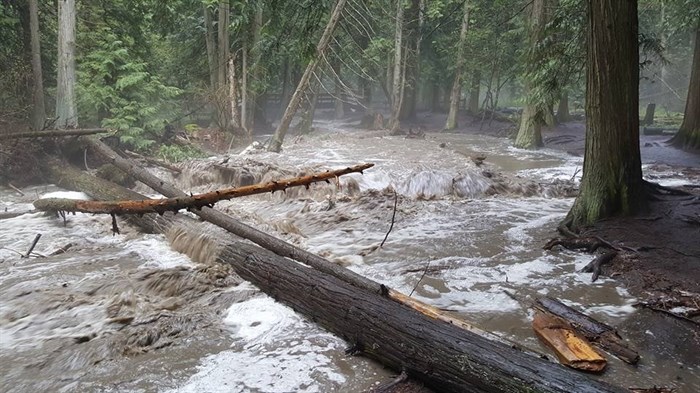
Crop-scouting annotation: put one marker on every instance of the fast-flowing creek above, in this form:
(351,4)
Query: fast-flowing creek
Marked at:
(128,313)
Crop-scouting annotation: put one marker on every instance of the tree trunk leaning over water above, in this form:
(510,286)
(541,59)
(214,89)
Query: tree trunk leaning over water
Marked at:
(66,106)
(688,136)
(444,355)
(281,131)
(38,110)
(455,94)
(612,172)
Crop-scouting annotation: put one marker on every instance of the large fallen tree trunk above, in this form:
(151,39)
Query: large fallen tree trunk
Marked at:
(442,354)
(52,133)
(198,201)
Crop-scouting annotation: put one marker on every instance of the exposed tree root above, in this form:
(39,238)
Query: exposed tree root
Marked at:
(595,265)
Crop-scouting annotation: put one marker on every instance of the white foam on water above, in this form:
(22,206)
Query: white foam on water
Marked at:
(67,195)
(155,252)
(276,351)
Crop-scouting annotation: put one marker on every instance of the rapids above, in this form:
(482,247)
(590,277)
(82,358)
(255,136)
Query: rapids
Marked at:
(129,312)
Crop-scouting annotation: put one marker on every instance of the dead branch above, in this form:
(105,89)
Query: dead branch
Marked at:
(31,248)
(596,264)
(195,202)
(53,133)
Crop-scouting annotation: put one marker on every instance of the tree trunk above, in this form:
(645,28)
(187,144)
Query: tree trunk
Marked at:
(563,115)
(278,138)
(444,354)
(534,113)
(309,110)
(255,53)
(66,106)
(688,135)
(244,88)
(211,47)
(223,92)
(39,111)
(412,41)
(459,69)
(233,95)
(649,115)
(396,87)
(475,93)
(612,172)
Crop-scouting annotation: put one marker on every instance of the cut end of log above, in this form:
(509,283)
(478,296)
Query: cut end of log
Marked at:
(571,349)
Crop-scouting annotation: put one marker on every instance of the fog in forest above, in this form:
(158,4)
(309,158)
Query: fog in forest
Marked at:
(350,195)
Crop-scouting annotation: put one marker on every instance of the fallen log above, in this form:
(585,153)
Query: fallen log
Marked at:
(442,354)
(598,333)
(187,202)
(53,133)
(571,349)
(278,246)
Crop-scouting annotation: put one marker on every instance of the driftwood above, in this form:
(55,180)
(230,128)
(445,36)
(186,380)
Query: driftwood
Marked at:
(600,334)
(571,348)
(192,202)
(53,133)
(442,354)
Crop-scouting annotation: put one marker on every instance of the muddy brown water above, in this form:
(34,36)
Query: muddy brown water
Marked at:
(128,313)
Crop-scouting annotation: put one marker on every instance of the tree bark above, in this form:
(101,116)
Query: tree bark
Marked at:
(396,87)
(455,93)
(412,36)
(281,131)
(563,114)
(442,353)
(198,201)
(475,93)
(66,106)
(211,47)
(612,172)
(233,95)
(530,132)
(688,136)
(309,109)
(39,111)
(223,93)
(255,54)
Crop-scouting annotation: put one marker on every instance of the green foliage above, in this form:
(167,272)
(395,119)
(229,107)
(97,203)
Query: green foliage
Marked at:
(117,90)
(176,153)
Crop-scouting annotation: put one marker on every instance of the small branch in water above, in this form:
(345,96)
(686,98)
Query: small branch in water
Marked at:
(421,278)
(15,188)
(36,240)
(115,228)
(393,217)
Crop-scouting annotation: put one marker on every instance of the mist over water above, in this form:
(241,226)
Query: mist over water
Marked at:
(128,313)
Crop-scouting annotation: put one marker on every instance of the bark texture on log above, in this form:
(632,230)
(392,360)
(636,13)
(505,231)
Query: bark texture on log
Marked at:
(192,202)
(442,354)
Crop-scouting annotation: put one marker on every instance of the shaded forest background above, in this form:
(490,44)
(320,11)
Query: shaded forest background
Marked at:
(144,64)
